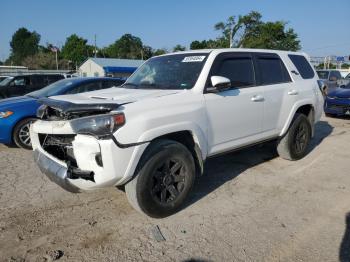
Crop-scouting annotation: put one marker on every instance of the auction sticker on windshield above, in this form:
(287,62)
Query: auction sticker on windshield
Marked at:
(188,59)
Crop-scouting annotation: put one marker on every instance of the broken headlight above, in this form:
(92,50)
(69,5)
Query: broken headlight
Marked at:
(99,125)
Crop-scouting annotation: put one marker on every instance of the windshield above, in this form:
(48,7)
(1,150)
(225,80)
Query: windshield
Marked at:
(51,90)
(6,81)
(323,74)
(168,72)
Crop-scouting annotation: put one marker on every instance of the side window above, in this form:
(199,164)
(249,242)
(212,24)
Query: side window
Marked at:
(272,70)
(240,70)
(303,66)
(21,81)
(54,78)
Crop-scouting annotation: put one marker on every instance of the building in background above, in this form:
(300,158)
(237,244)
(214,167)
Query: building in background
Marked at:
(121,68)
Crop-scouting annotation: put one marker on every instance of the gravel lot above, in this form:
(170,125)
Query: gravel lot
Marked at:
(249,206)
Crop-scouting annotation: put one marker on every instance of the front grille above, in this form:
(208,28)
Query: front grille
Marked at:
(60,146)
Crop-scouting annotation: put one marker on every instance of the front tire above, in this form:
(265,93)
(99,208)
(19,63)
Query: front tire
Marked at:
(163,179)
(293,145)
(21,135)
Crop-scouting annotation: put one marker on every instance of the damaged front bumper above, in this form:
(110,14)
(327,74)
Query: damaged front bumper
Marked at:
(80,162)
(54,171)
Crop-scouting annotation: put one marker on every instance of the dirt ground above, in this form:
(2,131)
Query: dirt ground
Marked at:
(249,206)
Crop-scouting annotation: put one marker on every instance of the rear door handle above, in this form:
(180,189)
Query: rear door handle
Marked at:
(257,98)
(293,92)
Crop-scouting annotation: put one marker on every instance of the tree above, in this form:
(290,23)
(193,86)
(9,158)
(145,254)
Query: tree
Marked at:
(44,60)
(23,43)
(272,35)
(206,44)
(147,52)
(250,32)
(161,51)
(178,48)
(76,49)
(233,32)
(128,47)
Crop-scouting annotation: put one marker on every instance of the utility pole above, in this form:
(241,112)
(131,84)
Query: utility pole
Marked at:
(95,51)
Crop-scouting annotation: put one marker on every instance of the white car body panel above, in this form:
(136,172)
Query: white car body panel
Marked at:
(258,113)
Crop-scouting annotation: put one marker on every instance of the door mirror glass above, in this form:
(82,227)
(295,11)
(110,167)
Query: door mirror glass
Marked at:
(220,83)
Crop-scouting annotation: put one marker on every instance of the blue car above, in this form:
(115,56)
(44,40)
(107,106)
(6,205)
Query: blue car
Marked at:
(338,101)
(17,113)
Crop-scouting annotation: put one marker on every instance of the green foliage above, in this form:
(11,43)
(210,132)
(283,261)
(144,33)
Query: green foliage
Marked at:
(44,60)
(178,48)
(127,47)
(250,31)
(76,49)
(272,35)
(147,52)
(321,66)
(345,66)
(159,52)
(23,43)
(207,44)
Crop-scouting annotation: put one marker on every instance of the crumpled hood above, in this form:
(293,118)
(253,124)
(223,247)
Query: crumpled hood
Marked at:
(115,95)
(340,93)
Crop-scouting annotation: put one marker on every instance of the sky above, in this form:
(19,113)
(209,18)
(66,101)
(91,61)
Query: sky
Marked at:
(322,25)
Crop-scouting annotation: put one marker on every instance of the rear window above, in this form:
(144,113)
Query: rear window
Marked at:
(272,70)
(303,66)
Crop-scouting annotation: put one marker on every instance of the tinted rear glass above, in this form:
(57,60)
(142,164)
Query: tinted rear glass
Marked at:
(272,70)
(303,66)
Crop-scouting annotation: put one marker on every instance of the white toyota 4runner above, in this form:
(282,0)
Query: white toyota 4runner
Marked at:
(153,133)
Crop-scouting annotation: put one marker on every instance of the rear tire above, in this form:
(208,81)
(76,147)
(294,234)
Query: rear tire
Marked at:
(163,179)
(293,145)
(21,133)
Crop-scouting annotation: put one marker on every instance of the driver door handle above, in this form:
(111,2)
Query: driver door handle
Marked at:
(257,98)
(292,92)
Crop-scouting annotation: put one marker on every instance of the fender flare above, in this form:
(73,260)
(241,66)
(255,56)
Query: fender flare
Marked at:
(292,113)
(196,131)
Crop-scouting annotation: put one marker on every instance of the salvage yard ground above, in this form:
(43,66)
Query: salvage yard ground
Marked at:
(249,206)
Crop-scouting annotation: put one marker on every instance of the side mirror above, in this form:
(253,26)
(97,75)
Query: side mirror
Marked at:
(219,83)
(333,78)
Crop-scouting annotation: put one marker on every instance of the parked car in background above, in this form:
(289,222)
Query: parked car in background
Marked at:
(23,84)
(338,101)
(154,133)
(16,114)
(3,78)
(344,72)
(330,77)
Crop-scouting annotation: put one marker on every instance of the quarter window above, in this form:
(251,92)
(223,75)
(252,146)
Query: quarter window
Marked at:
(303,66)
(240,70)
(272,70)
